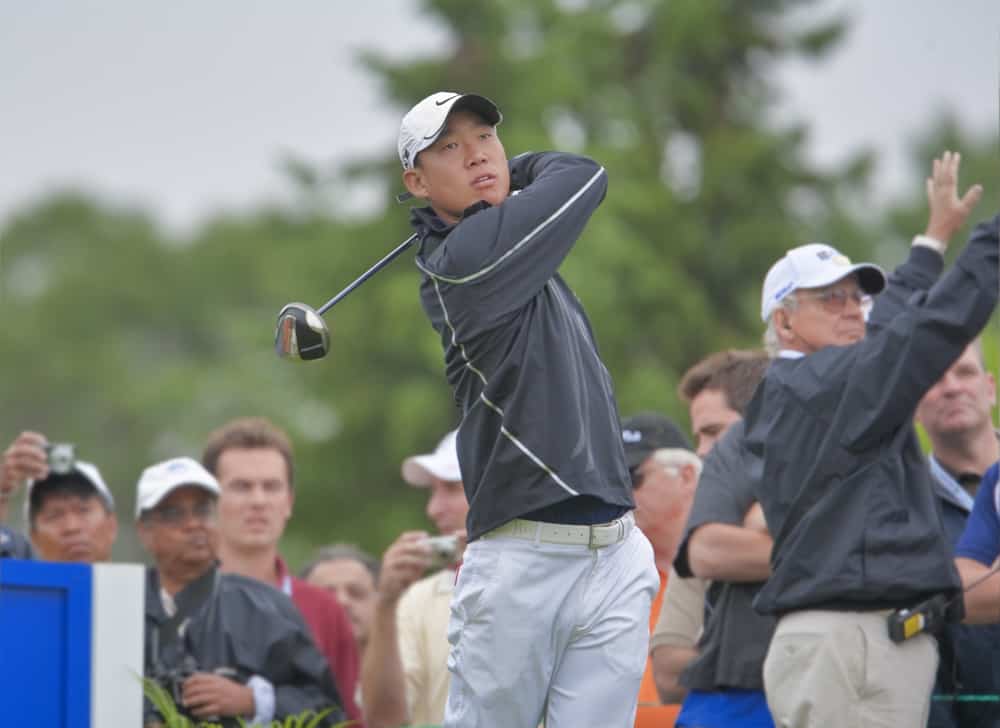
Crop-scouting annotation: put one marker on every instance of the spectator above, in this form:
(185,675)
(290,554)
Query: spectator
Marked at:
(405,673)
(71,514)
(351,575)
(724,680)
(664,472)
(978,552)
(13,545)
(956,414)
(838,468)
(226,646)
(252,460)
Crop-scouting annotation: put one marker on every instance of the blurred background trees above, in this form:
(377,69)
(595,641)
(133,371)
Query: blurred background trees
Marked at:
(134,343)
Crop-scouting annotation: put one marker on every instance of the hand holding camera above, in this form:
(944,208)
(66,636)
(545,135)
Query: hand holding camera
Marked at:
(445,550)
(25,459)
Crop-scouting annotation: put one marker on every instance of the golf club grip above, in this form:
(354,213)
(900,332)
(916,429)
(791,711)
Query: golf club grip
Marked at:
(390,256)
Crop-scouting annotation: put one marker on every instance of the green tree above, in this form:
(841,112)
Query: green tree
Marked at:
(134,343)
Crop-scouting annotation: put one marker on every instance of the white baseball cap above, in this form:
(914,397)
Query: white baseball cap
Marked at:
(424,123)
(418,470)
(88,473)
(160,480)
(812,266)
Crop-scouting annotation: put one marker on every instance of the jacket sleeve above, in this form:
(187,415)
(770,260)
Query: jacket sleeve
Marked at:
(918,273)
(497,259)
(299,673)
(893,368)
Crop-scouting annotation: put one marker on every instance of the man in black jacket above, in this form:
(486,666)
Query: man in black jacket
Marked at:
(551,609)
(839,472)
(225,646)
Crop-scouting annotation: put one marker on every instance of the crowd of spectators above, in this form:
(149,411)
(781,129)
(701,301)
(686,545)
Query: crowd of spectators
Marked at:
(803,521)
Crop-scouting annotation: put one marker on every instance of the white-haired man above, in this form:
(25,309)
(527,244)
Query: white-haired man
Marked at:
(840,475)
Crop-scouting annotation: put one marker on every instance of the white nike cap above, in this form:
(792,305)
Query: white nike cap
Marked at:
(160,480)
(418,470)
(812,266)
(424,123)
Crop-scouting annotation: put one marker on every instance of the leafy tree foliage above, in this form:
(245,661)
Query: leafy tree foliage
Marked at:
(134,344)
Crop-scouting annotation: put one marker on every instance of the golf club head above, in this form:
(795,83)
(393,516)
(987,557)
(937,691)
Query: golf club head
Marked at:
(301,333)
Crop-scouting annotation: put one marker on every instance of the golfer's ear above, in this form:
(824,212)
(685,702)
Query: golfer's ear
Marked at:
(413,178)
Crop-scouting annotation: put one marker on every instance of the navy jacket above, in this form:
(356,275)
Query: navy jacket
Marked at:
(836,463)
(539,419)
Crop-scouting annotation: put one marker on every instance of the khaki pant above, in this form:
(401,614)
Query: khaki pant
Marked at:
(841,670)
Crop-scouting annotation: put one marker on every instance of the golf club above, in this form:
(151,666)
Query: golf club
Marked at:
(302,333)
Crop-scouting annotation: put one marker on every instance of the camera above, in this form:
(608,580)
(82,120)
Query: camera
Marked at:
(444,550)
(171,678)
(61,457)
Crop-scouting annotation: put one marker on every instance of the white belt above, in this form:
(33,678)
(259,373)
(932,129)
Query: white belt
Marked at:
(596,537)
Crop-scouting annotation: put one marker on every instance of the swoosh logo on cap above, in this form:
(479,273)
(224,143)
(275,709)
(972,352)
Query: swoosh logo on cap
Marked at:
(442,103)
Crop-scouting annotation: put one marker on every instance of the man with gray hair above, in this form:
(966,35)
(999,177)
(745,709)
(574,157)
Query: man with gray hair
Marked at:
(351,575)
(837,467)
(664,472)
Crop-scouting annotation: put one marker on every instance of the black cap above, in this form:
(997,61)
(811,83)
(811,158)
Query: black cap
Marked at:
(649,431)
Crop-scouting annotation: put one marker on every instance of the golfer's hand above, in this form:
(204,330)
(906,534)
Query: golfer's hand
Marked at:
(206,695)
(754,519)
(24,459)
(948,212)
(404,562)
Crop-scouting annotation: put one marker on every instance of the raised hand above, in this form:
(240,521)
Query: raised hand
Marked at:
(948,212)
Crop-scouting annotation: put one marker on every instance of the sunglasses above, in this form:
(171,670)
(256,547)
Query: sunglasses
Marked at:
(175,515)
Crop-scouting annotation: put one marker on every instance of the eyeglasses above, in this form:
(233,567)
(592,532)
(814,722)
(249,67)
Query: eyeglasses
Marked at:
(175,515)
(834,300)
(638,475)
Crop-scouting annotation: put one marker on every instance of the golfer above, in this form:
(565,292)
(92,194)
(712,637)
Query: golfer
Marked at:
(550,616)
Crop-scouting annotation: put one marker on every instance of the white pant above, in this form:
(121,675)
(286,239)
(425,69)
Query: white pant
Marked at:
(559,631)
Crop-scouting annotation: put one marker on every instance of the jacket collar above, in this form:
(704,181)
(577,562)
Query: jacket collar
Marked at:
(187,598)
(432,229)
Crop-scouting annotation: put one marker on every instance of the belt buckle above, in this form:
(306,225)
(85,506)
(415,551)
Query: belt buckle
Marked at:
(591,541)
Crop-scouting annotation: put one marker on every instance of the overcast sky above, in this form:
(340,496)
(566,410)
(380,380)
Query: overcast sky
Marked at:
(185,107)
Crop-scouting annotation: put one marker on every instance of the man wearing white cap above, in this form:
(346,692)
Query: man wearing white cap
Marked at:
(837,467)
(550,505)
(405,674)
(69,509)
(226,646)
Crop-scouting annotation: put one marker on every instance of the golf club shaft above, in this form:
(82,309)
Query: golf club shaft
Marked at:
(392,254)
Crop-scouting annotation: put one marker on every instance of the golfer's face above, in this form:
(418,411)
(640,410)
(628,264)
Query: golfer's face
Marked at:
(466,164)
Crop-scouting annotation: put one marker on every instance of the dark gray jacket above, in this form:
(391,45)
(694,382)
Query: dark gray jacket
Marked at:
(539,419)
(238,627)
(831,448)
(734,641)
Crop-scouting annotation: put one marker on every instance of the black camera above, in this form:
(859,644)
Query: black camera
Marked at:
(172,678)
(61,457)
